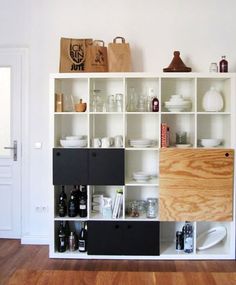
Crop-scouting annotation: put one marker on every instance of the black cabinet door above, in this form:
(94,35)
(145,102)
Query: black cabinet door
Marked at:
(106,166)
(104,238)
(70,166)
(141,238)
(123,238)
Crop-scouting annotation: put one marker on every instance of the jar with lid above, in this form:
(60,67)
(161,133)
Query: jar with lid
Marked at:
(134,209)
(151,208)
(142,205)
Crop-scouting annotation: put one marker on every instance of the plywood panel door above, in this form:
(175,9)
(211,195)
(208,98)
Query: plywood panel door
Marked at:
(196,184)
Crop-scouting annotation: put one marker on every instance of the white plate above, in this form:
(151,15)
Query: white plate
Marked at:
(211,237)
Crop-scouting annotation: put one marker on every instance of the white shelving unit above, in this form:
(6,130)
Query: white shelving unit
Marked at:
(133,125)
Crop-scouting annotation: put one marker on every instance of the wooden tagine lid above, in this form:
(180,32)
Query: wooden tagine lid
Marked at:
(177,64)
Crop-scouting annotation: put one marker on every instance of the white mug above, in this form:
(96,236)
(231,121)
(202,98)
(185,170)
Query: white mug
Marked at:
(97,142)
(106,142)
(118,141)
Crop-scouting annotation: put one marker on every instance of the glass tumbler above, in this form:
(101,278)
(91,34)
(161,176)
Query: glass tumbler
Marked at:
(151,208)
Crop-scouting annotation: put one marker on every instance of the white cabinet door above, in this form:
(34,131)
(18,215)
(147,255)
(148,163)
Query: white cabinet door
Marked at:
(10,132)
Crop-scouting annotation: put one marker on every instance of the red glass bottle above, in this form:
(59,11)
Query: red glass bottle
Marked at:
(155,104)
(223,64)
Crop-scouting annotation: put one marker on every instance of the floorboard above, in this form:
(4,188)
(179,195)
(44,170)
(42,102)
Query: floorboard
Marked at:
(15,256)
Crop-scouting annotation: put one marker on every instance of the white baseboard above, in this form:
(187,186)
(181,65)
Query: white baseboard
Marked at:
(35,239)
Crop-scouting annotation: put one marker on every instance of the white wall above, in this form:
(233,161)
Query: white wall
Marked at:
(201,30)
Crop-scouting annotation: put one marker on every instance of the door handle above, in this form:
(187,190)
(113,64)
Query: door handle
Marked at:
(14,148)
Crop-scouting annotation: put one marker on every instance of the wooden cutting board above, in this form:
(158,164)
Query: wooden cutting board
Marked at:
(196,184)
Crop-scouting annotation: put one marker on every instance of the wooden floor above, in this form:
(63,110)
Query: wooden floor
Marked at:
(14,256)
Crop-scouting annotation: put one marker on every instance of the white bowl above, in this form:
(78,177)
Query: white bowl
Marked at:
(176,108)
(74,137)
(176,96)
(210,142)
(73,143)
(176,100)
(181,104)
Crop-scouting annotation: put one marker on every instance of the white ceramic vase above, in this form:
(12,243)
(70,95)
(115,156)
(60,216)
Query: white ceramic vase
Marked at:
(212,101)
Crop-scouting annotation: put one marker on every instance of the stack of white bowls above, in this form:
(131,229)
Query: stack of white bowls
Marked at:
(74,141)
(141,176)
(177,104)
(141,142)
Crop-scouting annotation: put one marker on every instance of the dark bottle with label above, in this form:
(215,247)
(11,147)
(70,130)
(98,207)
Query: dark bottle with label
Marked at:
(223,64)
(72,206)
(155,104)
(76,193)
(188,237)
(62,208)
(83,238)
(62,240)
(179,241)
(63,194)
(83,201)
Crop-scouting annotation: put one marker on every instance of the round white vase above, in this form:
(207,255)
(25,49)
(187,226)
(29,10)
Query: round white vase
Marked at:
(212,101)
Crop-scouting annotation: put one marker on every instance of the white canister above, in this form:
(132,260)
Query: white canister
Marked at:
(107,142)
(212,101)
(118,141)
(97,142)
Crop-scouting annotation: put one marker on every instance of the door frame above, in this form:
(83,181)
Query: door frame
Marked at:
(23,55)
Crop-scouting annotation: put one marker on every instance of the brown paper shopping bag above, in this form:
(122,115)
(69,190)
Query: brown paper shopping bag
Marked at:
(119,56)
(96,58)
(73,54)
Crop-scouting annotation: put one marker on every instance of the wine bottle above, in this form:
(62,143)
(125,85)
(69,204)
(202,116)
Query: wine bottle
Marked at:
(62,204)
(83,238)
(76,193)
(62,241)
(62,209)
(83,201)
(72,207)
(63,194)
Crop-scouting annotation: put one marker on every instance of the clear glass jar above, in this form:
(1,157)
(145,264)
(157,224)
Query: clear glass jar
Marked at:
(151,208)
(97,101)
(119,102)
(142,207)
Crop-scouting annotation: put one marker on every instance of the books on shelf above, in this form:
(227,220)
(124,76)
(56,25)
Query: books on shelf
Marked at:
(117,204)
(165,135)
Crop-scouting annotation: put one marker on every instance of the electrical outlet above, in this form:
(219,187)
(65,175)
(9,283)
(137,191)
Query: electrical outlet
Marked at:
(41,209)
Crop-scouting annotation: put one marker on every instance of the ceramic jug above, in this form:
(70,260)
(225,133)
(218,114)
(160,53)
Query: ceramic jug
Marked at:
(212,101)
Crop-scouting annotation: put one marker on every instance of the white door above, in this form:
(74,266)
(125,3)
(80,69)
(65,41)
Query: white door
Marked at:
(10,143)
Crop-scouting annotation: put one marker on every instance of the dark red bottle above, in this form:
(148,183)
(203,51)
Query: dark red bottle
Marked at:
(155,104)
(223,64)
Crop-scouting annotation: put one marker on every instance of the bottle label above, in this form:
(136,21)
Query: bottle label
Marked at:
(81,245)
(188,244)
